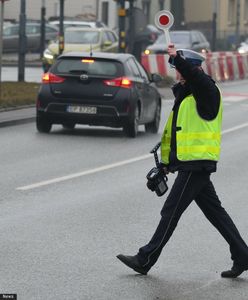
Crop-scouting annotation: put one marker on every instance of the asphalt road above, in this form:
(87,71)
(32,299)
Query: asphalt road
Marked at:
(72,201)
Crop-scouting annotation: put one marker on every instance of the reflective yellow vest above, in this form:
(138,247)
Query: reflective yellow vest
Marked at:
(196,138)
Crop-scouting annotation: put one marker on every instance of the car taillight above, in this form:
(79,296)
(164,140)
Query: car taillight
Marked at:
(52,78)
(123,82)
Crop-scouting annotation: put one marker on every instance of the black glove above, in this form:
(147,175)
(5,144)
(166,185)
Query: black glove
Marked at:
(163,168)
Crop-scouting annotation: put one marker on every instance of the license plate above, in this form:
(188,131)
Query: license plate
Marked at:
(82,109)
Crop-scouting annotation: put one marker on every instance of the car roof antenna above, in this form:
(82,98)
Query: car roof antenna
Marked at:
(91,53)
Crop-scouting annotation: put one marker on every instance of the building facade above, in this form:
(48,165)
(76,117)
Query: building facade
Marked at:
(231,21)
(103,10)
(85,8)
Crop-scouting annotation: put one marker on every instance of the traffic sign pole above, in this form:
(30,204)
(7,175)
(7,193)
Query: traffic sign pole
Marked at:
(22,42)
(1,36)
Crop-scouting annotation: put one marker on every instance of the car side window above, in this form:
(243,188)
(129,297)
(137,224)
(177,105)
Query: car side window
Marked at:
(31,29)
(195,38)
(50,29)
(111,37)
(14,30)
(142,72)
(202,37)
(133,68)
(104,37)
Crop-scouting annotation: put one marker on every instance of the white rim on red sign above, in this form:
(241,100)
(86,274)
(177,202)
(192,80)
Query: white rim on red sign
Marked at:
(164,19)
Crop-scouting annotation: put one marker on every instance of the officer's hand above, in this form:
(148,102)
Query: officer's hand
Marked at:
(163,168)
(172,51)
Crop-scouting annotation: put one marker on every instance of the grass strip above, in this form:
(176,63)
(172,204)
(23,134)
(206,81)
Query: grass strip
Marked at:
(14,94)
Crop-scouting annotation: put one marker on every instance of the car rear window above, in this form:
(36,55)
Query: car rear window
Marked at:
(90,66)
(180,37)
(176,37)
(81,37)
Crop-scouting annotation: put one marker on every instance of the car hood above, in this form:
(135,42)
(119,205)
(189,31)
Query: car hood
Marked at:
(54,48)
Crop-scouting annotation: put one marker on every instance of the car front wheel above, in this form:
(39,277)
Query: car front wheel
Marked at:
(132,127)
(153,126)
(42,124)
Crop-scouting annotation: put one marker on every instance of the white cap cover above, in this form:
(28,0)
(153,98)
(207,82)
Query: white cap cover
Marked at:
(192,56)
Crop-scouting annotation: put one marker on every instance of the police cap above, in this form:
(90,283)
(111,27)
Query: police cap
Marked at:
(191,56)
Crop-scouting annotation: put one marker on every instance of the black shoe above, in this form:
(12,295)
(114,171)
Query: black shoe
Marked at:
(234,272)
(133,263)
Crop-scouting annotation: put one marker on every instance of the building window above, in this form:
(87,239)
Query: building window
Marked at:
(231,12)
(105,10)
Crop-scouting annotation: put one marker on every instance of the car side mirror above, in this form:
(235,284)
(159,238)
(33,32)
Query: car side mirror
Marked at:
(107,44)
(156,77)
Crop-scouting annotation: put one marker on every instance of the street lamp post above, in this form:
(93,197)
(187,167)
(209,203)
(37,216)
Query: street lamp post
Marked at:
(161,4)
(23,42)
(237,29)
(61,27)
(131,26)
(1,35)
(42,28)
(122,31)
(214,25)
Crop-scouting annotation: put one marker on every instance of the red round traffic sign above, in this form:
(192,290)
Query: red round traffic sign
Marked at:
(164,19)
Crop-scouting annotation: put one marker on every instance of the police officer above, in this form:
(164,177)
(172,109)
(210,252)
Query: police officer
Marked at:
(190,145)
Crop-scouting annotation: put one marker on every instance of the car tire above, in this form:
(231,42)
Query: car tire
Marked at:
(42,124)
(69,125)
(132,127)
(153,126)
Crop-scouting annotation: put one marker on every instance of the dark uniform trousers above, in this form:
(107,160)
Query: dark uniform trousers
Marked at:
(187,187)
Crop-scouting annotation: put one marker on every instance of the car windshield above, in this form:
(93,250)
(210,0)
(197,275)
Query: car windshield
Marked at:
(89,66)
(176,37)
(82,37)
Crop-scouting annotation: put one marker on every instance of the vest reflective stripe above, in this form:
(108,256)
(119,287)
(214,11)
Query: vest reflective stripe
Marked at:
(198,135)
(166,140)
(196,138)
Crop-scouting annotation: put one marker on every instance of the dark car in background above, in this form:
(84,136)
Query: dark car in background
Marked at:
(102,89)
(185,39)
(33,33)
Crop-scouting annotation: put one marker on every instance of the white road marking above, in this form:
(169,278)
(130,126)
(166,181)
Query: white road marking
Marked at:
(235,128)
(106,167)
(234,98)
(83,173)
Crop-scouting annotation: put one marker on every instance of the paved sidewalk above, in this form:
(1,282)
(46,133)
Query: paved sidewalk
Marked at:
(17,116)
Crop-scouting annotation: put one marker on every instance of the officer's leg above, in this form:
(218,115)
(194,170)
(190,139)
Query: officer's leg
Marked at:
(210,204)
(186,186)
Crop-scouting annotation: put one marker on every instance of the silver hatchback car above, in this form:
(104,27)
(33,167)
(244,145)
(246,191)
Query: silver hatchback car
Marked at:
(187,39)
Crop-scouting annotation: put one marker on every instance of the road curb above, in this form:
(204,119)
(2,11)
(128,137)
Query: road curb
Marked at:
(17,115)
(16,122)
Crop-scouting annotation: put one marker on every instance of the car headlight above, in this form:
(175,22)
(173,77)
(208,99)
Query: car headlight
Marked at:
(48,54)
(147,51)
(241,51)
